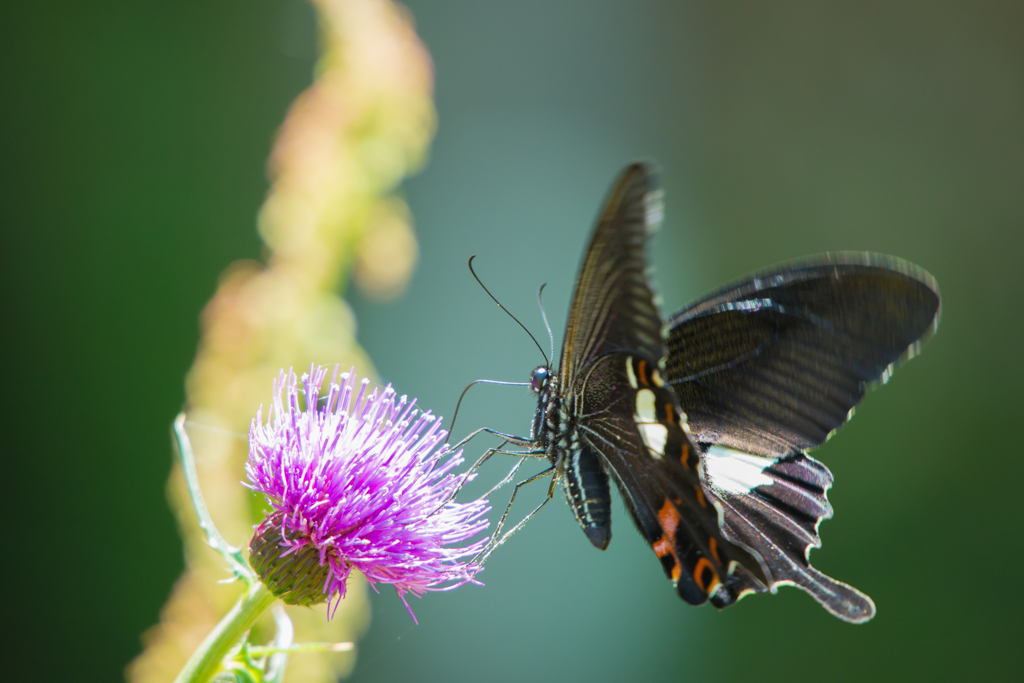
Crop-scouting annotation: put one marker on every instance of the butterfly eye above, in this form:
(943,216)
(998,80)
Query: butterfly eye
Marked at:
(539,378)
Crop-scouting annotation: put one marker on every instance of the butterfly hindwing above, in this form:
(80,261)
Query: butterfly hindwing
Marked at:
(632,420)
(775,505)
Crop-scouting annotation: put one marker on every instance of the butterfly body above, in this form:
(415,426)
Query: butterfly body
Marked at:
(704,423)
(583,478)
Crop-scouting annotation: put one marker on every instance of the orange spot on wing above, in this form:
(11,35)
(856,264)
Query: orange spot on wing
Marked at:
(704,564)
(668,518)
(642,374)
(685,457)
(670,415)
(714,549)
(700,496)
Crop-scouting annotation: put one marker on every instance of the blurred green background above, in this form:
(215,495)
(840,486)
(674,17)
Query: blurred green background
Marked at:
(133,138)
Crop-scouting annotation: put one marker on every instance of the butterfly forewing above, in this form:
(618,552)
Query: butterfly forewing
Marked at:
(612,311)
(613,308)
(774,364)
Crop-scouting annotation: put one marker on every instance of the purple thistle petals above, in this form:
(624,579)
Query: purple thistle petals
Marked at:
(364,479)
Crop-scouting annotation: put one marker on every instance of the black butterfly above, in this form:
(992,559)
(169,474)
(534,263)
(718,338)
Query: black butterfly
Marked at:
(704,427)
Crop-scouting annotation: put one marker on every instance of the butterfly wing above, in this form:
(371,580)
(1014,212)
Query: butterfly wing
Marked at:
(774,364)
(774,505)
(613,308)
(723,523)
(631,421)
(627,419)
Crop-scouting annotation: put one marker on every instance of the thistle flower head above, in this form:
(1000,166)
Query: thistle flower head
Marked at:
(357,480)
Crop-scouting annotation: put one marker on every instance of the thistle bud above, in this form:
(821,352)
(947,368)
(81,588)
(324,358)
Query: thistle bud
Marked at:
(296,577)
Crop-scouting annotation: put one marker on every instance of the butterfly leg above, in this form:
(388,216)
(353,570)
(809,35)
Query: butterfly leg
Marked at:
(468,474)
(508,477)
(495,540)
(509,438)
(534,452)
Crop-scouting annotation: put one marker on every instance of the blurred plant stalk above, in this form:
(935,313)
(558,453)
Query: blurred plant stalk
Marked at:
(331,214)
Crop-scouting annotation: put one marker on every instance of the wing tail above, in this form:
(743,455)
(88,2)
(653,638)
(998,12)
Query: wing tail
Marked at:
(774,506)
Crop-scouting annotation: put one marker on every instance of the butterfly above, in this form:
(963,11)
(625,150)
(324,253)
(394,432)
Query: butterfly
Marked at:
(704,422)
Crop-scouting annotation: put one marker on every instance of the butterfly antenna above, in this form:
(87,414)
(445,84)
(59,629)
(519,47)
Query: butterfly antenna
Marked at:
(546,360)
(480,381)
(544,315)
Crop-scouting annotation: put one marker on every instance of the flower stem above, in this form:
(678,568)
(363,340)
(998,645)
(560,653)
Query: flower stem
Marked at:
(233,555)
(206,660)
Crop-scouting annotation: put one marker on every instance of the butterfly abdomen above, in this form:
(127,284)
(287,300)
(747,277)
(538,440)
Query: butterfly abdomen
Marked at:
(589,495)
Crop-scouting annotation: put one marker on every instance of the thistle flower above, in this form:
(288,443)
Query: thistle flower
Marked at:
(357,481)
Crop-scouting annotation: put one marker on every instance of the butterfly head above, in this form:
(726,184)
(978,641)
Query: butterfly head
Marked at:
(539,379)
